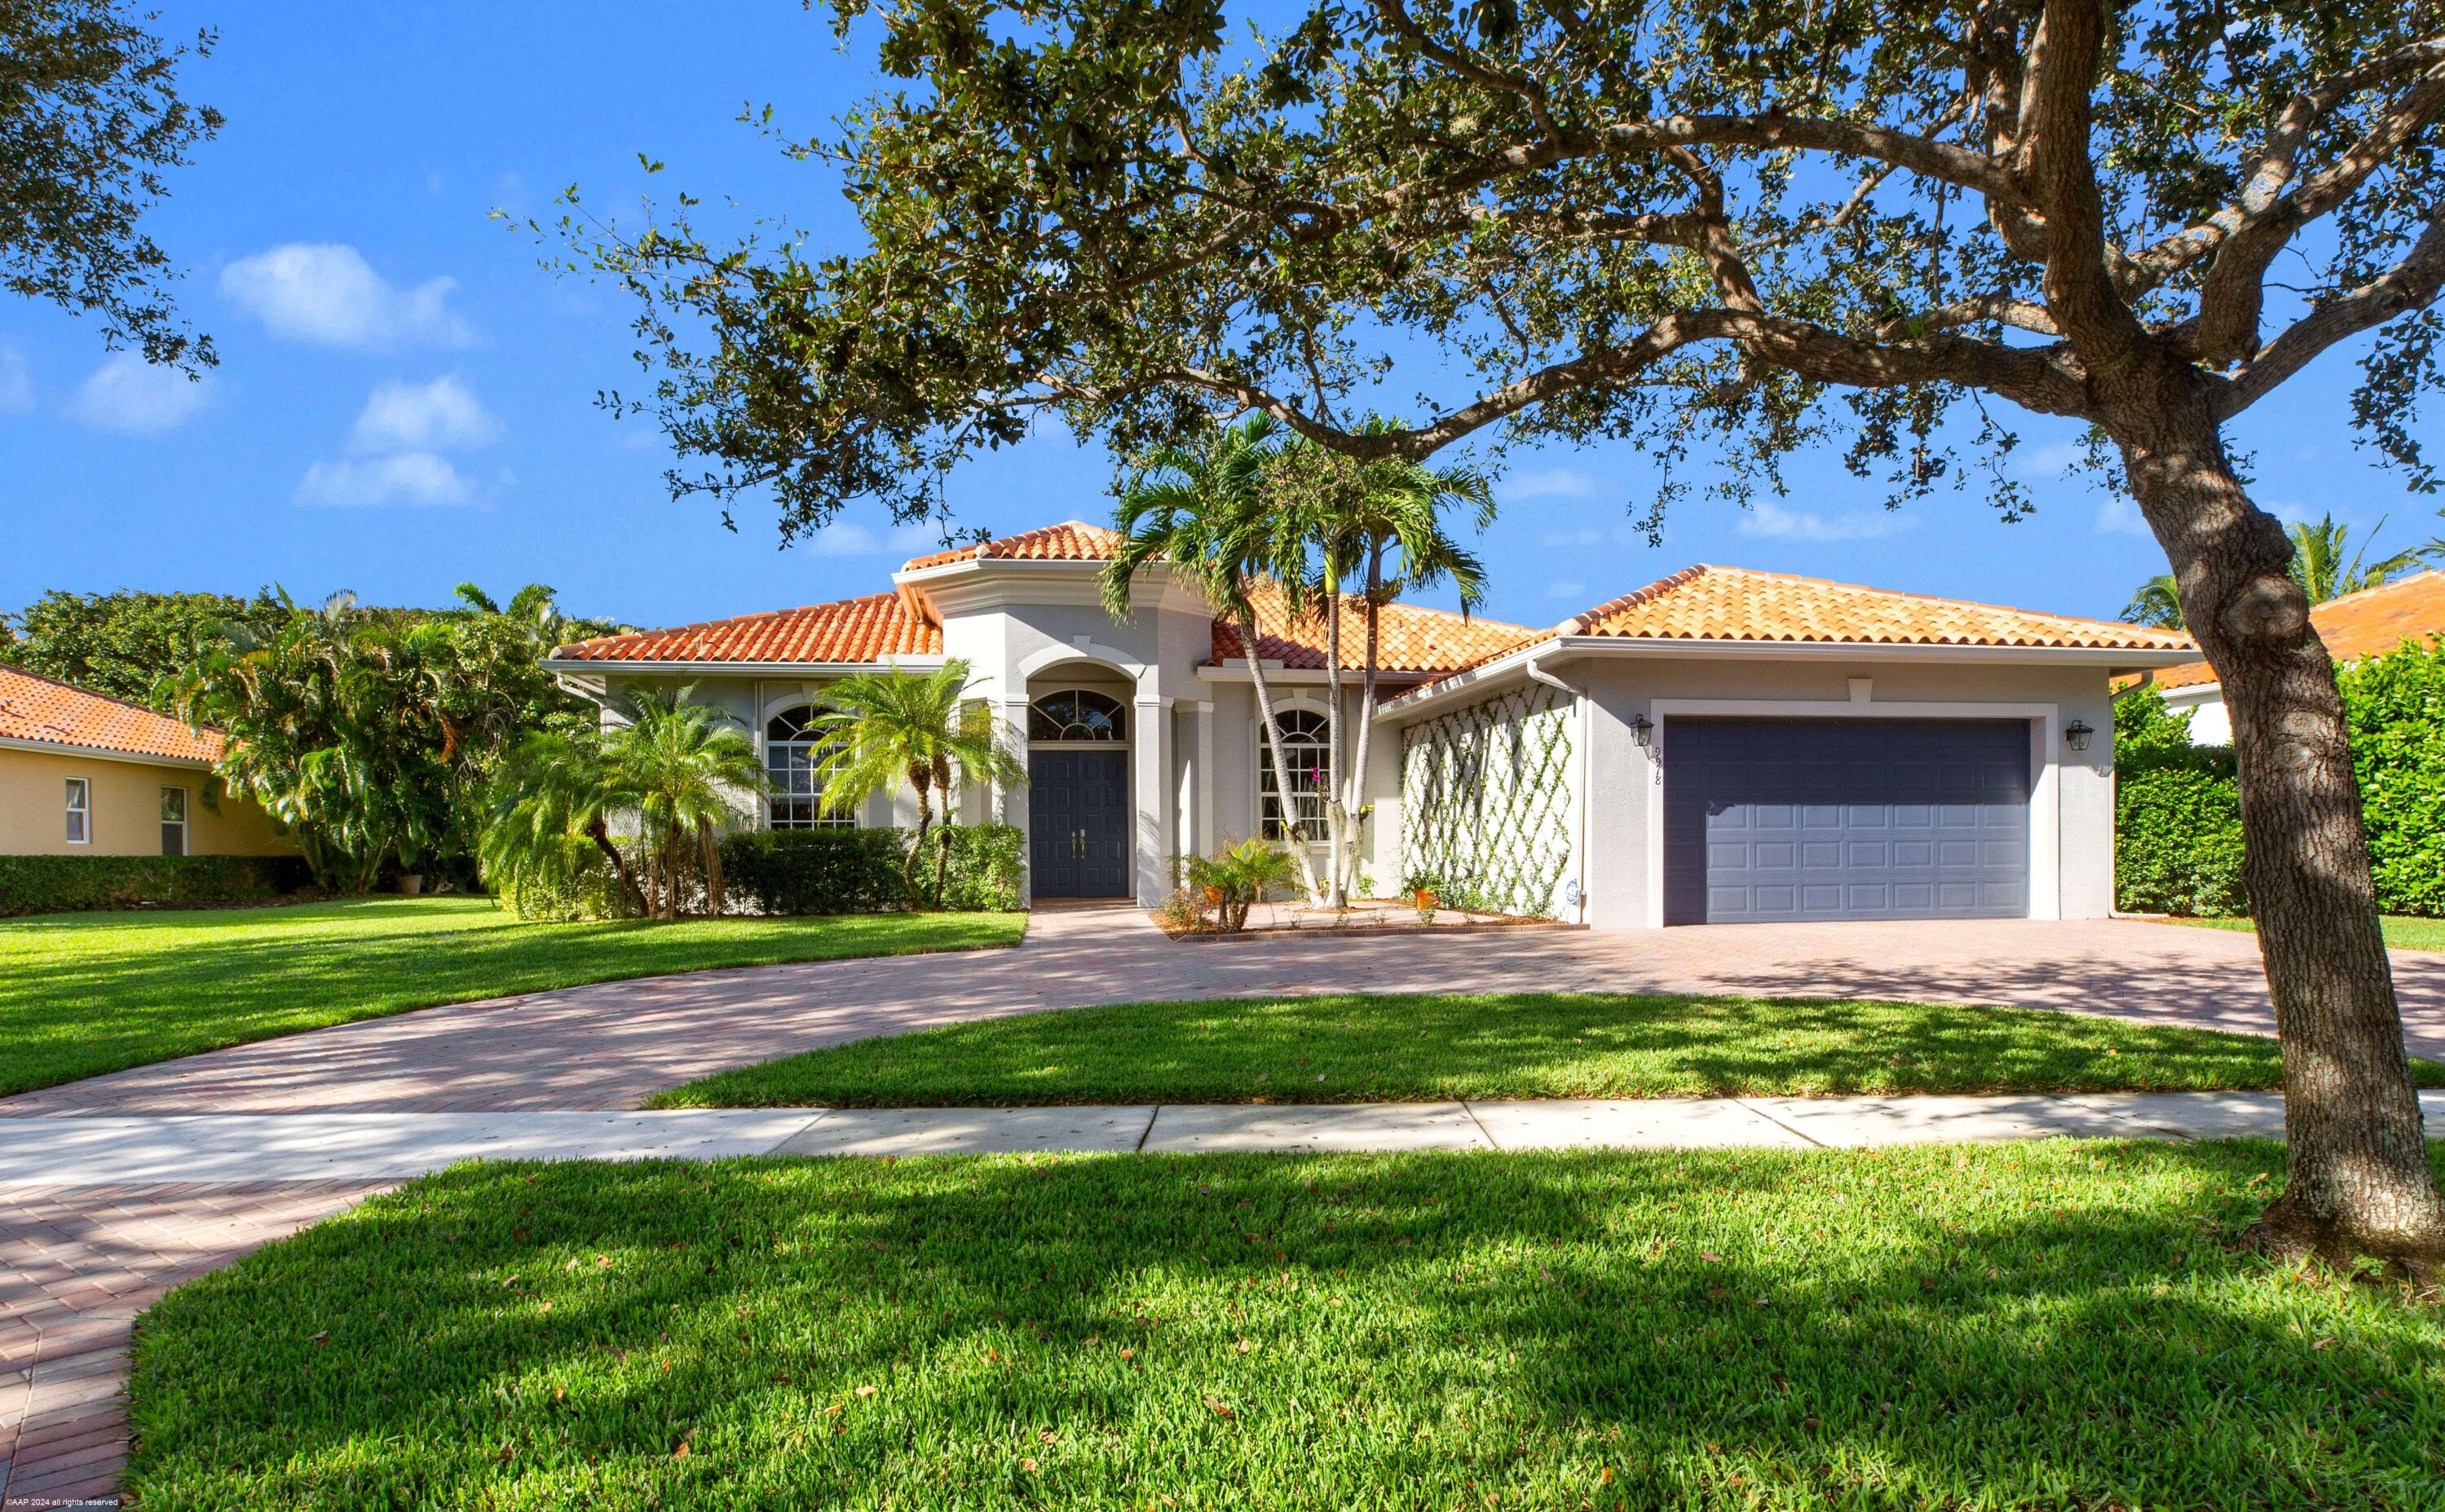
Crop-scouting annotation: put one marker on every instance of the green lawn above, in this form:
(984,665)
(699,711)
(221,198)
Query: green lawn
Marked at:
(2049,1324)
(83,993)
(1389,1049)
(2403,931)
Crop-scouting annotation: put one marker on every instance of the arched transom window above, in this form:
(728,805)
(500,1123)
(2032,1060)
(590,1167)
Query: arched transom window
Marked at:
(1076,714)
(1309,756)
(796,757)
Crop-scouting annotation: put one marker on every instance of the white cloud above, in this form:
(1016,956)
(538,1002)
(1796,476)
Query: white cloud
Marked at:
(126,393)
(1767,519)
(409,478)
(16,380)
(1565,590)
(845,538)
(421,416)
(326,293)
(1552,482)
(2118,515)
(2049,461)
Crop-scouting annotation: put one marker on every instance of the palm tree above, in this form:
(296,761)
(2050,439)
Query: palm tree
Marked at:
(2157,603)
(683,771)
(1380,522)
(552,806)
(892,726)
(1200,505)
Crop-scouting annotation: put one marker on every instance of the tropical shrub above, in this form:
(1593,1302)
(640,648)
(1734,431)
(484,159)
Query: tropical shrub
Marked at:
(1231,881)
(2177,815)
(922,728)
(72,884)
(986,867)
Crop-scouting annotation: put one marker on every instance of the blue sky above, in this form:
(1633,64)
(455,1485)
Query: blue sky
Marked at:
(406,400)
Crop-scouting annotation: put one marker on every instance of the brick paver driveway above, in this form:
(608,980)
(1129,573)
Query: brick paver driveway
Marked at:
(75,1264)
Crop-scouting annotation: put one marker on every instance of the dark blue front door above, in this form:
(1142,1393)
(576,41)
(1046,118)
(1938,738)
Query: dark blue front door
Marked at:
(1791,820)
(1078,823)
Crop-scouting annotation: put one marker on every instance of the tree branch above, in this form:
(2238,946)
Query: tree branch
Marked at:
(2411,284)
(2081,292)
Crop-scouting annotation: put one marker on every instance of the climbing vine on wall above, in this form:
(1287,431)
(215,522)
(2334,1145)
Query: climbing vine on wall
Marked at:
(1485,802)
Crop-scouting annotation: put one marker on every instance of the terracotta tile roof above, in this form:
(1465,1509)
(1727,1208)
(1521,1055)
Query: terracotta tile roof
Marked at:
(2369,622)
(1070,541)
(1739,604)
(862,629)
(1412,638)
(37,708)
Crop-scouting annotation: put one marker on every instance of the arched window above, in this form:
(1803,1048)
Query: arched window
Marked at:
(1309,756)
(795,755)
(1076,714)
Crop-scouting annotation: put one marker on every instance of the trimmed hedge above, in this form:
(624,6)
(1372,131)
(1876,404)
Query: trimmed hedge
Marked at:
(784,871)
(79,884)
(792,871)
(2177,812)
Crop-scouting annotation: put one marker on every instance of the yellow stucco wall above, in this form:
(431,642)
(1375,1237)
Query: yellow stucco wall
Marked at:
(126,810)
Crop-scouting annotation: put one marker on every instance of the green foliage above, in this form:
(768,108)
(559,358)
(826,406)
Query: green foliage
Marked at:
(2177,844)
(890,726)
(372,733)
(803,872)
(68,884)
(1232,881)
(84,994)
(2395,706)
(2158,602)
(582,887)
(2050,1325)
(681,769)
(127,644)
(90,126)
(987,865)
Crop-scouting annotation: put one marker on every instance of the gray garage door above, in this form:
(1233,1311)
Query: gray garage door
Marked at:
(1786,819)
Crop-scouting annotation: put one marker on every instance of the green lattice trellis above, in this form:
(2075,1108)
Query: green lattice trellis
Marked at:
(1486,801)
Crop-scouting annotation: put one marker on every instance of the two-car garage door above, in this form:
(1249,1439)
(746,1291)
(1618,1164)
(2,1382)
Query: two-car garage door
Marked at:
(1848,818)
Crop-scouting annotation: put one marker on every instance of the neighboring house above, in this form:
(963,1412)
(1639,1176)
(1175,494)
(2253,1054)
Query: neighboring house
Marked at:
(83,774)
(2369,622)
(1721,745)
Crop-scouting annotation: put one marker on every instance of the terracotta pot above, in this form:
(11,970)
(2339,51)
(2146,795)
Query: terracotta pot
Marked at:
(410,884)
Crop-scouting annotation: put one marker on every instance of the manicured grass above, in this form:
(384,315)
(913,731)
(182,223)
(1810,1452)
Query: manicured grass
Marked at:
(1397,1049)
(2403,931)
(83,993)
(2036,1325)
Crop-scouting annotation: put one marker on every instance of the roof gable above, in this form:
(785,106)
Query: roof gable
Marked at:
(1070,541)
(848,630)
(1707,603)
(51,713)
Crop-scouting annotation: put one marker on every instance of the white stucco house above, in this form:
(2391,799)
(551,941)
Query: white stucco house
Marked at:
(1722,745)
(2369,622)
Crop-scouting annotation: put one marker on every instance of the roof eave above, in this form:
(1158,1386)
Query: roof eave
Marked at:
(101,753)
(912,658)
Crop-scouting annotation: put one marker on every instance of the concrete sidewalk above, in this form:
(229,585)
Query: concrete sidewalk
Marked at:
(191,1147)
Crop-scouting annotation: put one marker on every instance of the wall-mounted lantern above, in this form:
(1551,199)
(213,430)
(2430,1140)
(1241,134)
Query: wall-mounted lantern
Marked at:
(1642,730)
(2077,733)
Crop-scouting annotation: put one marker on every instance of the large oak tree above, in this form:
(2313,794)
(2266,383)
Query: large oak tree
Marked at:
(1727,231)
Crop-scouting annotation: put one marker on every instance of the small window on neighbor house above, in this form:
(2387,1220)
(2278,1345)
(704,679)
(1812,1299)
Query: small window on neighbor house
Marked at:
(173,821)
(80,811)
(796,757)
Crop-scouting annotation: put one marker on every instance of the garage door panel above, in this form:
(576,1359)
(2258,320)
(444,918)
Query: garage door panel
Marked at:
(1782,820)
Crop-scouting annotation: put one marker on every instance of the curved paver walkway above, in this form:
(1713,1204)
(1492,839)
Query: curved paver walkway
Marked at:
(612,1045)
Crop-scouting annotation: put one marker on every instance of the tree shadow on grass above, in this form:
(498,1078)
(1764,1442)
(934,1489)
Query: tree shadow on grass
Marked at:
(2035,1324)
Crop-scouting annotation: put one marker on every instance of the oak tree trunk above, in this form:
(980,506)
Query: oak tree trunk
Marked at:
(2358,1179)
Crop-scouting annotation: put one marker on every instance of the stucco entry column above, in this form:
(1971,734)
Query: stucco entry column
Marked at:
(1151,795)
(1010,799)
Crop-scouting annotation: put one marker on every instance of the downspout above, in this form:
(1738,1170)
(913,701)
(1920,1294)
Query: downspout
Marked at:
(1581,801)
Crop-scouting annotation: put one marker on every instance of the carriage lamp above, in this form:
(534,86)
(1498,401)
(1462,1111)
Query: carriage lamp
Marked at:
(1643,731)
(2076,733)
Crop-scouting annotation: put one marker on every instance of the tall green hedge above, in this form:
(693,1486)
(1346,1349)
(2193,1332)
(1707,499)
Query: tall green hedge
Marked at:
(74,883)
(2178,815)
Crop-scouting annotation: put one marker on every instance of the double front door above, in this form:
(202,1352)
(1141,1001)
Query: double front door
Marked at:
(1078,823)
